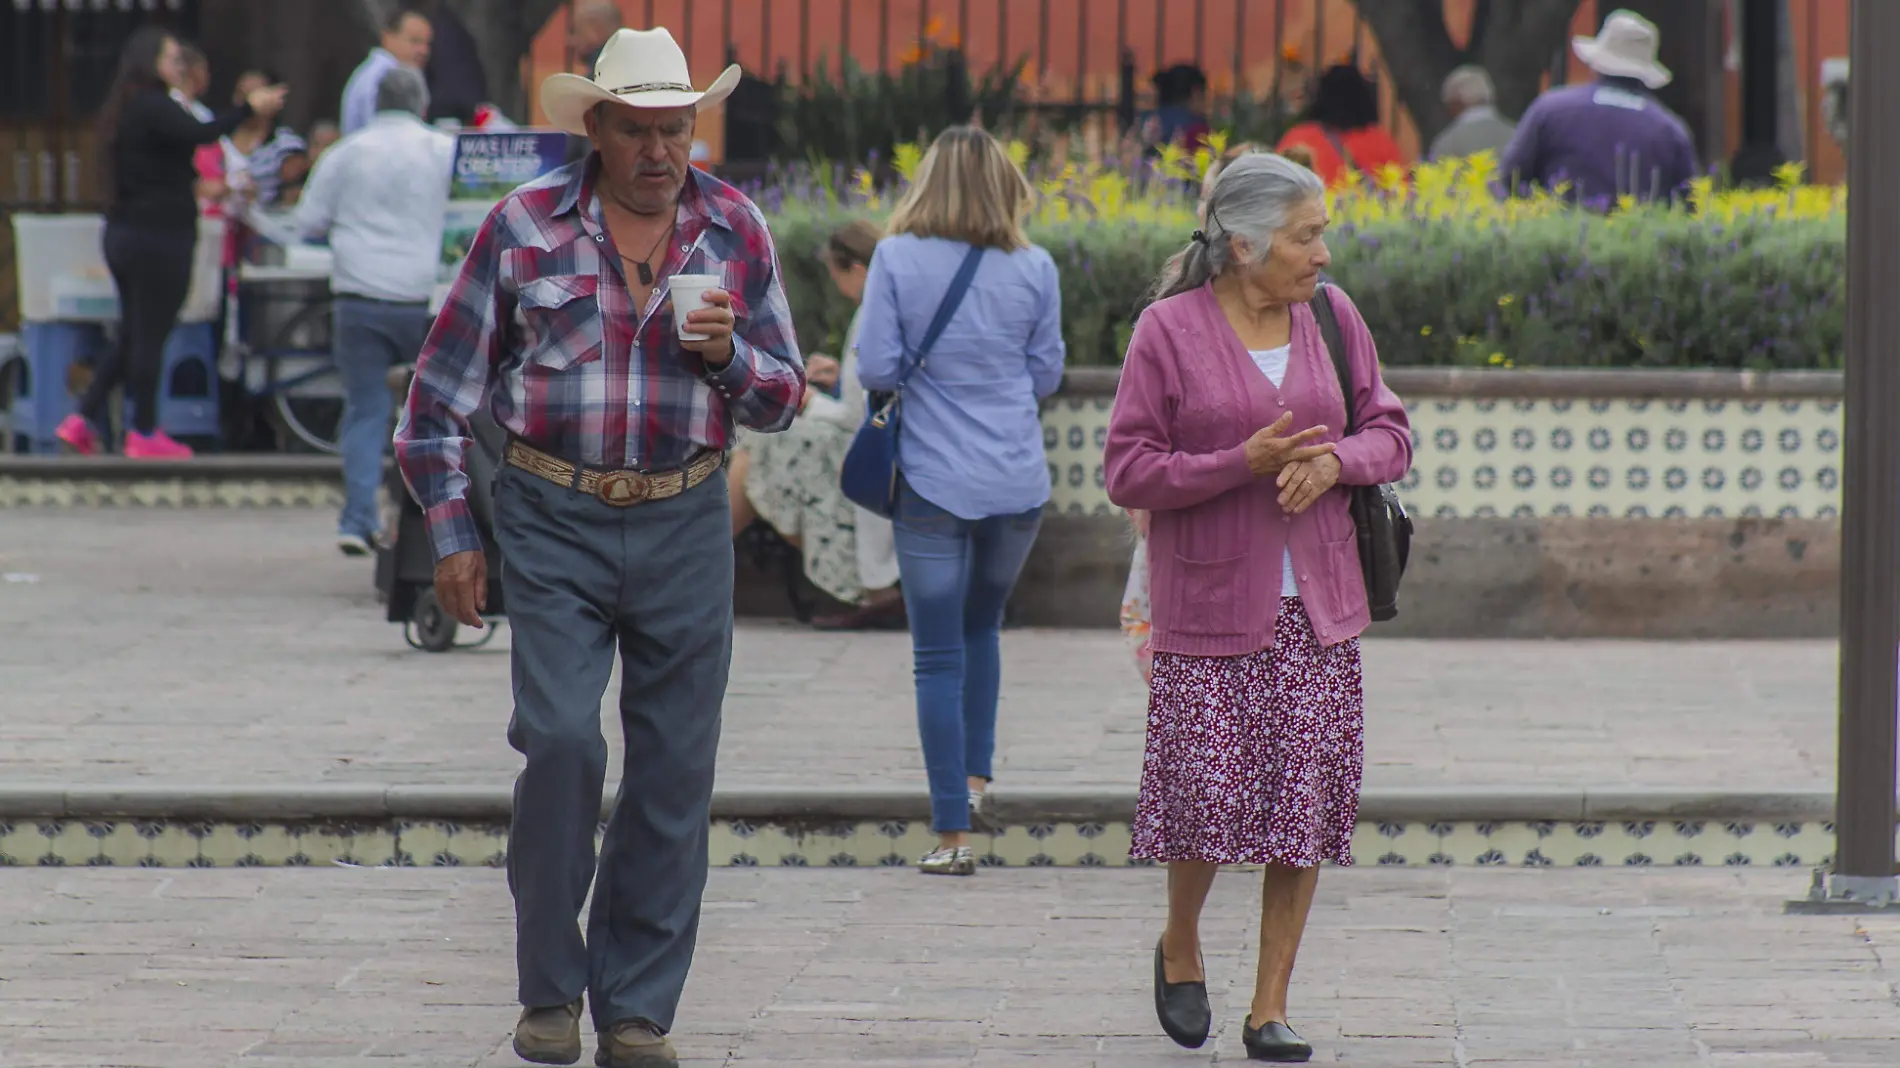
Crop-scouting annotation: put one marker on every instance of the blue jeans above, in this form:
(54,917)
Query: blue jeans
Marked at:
(367,338)
(957,576)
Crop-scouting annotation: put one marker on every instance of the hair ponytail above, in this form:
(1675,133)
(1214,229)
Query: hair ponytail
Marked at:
(1190,268)
(1251,197)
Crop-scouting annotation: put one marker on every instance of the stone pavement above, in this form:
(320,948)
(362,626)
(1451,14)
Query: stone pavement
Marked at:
(413,968)
(227,647)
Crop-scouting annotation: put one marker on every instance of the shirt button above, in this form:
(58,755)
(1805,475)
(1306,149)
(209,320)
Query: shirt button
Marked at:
(600,237)
(1282,404)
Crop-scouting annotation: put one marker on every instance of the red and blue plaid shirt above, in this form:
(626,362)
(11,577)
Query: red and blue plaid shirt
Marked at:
(541,325)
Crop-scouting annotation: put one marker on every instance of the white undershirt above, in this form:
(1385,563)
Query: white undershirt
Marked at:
(1272,363)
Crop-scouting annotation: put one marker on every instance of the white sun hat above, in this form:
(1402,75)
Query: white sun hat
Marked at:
(638,68)
(1624,48)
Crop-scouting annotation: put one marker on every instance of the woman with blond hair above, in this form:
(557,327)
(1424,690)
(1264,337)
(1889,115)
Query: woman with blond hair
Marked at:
(973,475)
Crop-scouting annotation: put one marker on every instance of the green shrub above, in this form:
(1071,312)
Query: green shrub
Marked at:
(1645,288)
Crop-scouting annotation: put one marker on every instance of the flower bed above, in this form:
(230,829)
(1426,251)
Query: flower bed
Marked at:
(1445,273)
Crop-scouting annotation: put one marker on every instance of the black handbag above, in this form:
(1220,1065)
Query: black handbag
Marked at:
(1385,530)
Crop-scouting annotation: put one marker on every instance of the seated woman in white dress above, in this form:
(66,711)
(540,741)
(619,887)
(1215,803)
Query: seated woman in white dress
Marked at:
(790,480)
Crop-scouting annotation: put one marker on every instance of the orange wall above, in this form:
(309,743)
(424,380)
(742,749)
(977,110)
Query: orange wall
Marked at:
(1083,36)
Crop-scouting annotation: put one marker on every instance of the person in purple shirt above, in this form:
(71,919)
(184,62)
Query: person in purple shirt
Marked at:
(1611,137)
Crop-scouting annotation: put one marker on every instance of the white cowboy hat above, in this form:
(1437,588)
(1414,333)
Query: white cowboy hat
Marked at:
(1624,48)
(638,68)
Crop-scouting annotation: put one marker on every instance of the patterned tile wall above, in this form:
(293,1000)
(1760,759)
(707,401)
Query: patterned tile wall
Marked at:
(1472,457)
(1561,457)
(186,844)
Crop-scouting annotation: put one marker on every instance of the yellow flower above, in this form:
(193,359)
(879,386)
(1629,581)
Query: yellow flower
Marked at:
(1506,300)
(1424,331)
(1497,359)
(906,158)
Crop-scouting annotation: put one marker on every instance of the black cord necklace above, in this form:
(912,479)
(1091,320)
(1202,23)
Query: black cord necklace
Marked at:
(643,268)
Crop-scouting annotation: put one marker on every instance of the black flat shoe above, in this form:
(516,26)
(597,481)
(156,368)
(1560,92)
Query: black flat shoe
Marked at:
(1274,1041)
(1181,1007)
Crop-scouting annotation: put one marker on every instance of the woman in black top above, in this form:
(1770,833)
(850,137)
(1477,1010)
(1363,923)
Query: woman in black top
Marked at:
(151,231)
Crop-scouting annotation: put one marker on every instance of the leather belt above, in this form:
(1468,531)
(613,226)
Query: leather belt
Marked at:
(620,489)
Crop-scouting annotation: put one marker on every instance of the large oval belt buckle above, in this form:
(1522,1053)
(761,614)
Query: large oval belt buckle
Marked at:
(622,489)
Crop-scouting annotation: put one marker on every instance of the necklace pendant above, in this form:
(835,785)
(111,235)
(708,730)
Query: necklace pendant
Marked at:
(645,273)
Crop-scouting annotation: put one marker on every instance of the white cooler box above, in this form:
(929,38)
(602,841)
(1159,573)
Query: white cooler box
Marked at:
(63,276)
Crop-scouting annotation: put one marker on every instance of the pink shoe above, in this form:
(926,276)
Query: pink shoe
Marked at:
(157,445)
(78,435)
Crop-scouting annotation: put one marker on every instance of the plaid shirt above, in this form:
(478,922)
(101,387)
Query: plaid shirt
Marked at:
(541,325)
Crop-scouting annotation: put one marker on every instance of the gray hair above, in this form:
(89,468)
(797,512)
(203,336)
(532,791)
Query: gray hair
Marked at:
(402,89)
(1469,86)
(1251,199)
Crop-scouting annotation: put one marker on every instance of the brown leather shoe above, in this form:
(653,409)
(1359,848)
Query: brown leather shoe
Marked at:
(550,1036)
(635,1044)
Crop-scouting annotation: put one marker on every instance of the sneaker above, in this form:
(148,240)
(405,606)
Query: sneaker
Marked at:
(982,820)
(551,1035)
(78,435)
(356,544)
(157,445)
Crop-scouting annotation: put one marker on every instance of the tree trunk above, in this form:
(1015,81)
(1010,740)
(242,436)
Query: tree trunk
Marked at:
(1512,39)
(504,30)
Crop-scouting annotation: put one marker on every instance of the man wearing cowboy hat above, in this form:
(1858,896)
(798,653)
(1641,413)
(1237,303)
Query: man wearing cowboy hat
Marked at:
(1611,137)
(611,516)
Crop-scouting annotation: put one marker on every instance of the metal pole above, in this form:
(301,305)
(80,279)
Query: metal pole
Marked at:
(1870,507)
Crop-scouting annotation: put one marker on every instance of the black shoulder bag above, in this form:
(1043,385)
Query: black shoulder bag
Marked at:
(1385,531)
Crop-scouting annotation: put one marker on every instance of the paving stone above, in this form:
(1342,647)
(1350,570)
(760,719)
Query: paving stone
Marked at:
(1013,968)
(237,647)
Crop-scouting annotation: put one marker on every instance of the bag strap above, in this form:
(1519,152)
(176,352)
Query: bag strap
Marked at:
(1322,305)
(1339,146)
(952,298)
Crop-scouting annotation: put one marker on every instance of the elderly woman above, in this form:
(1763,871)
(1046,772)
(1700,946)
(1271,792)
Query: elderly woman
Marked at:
(1226,431)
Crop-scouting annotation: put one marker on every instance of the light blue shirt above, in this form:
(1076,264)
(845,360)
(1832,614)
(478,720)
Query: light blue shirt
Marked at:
(380,195)
(359,93)
(971,437)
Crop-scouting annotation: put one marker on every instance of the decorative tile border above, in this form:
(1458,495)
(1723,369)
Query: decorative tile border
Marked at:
(57,492)
(1537,457)
(1629,444)
(169,843)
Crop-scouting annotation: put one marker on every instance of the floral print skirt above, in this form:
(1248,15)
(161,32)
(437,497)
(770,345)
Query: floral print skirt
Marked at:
(1254,759)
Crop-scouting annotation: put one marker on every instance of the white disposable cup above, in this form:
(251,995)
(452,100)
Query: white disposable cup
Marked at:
(689,294)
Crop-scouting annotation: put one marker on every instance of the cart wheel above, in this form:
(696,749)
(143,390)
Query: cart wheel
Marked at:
(435,629)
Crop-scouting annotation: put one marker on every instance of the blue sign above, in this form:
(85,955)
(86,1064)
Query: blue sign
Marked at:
(489,166)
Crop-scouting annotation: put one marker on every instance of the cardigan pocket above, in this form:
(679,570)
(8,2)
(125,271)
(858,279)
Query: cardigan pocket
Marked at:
(1209,599)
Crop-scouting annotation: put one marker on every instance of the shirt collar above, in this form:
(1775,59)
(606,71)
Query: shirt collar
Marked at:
(395,117)
(697,203)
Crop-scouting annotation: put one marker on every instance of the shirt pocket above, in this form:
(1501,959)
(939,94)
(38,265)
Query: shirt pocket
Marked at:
(560,320)
(1208,598)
